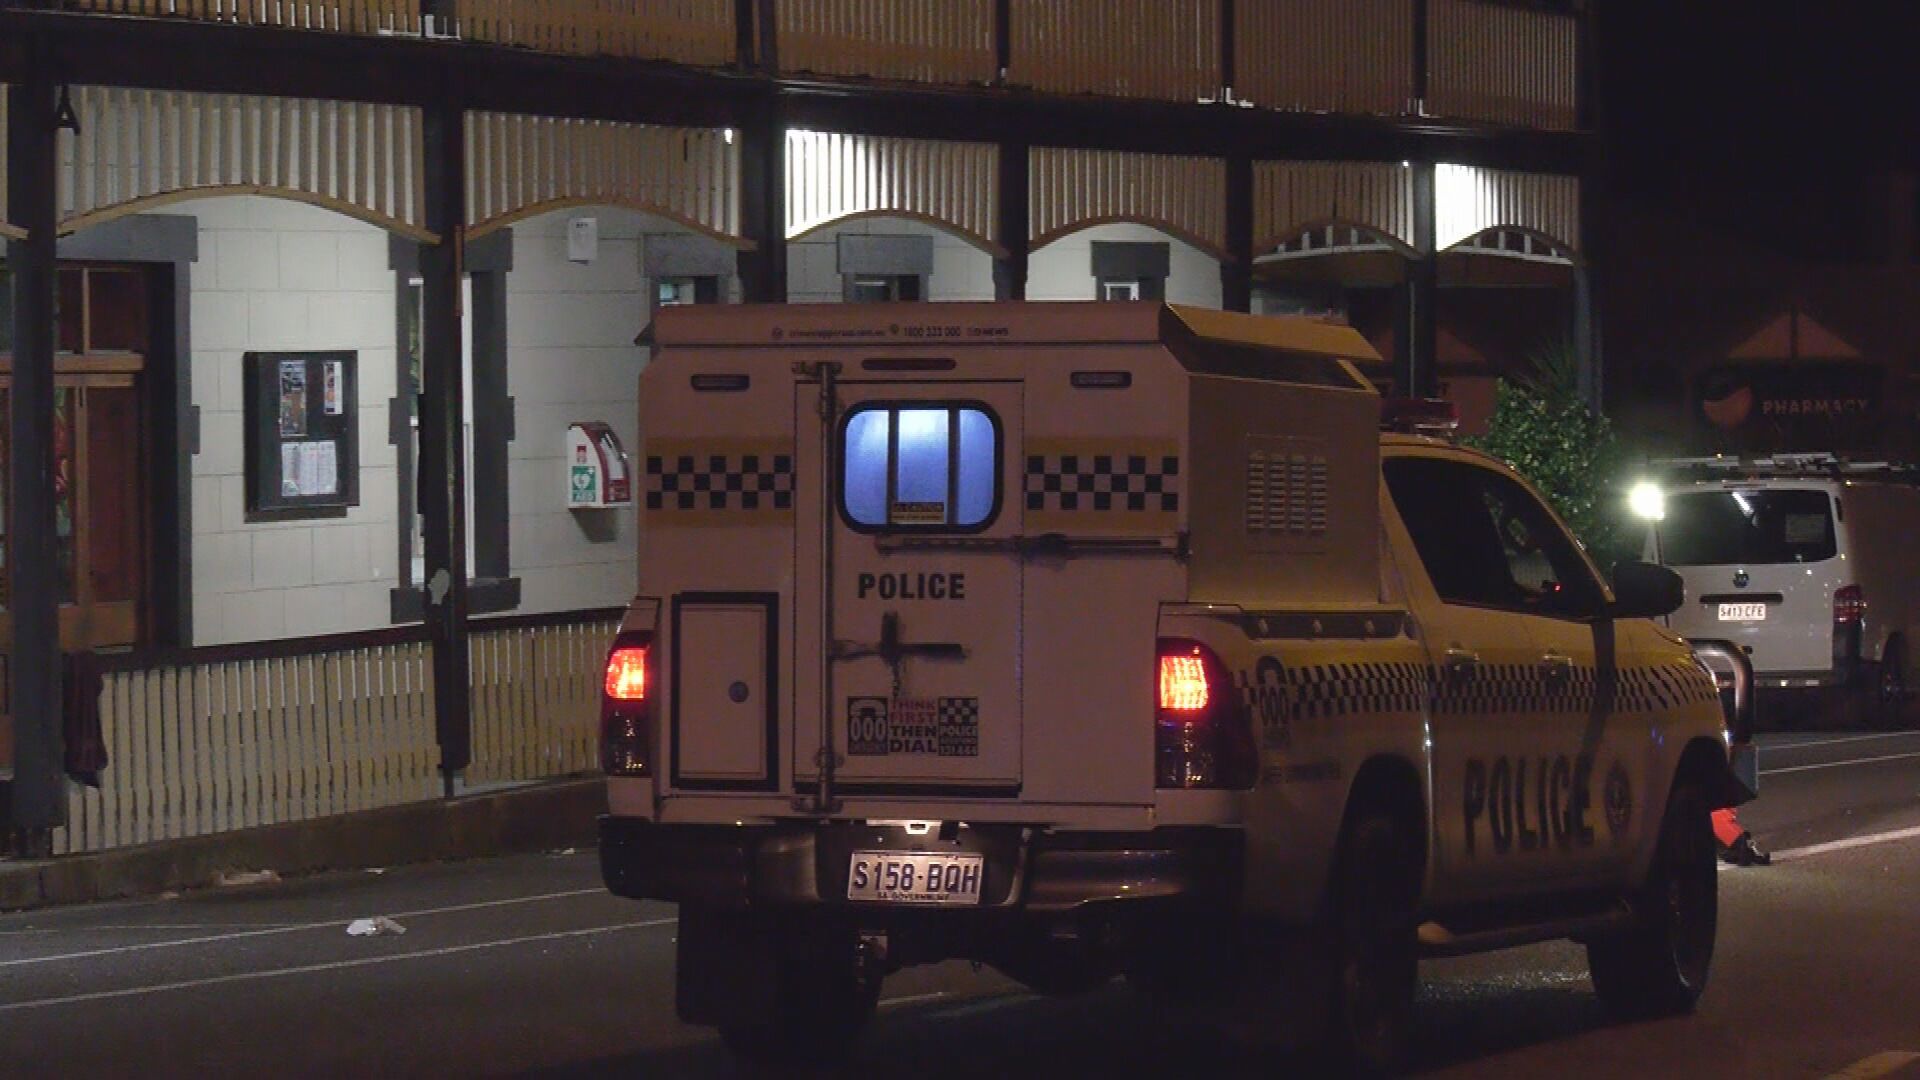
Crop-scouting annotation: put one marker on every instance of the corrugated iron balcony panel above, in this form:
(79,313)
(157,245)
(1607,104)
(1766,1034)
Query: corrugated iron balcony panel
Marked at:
(338,16)
(522,165)
(1340,56)
(1163,49)
(1290,197)
(696,32)
(135,146)
(833,177)
(926,41)
(1183,196)
(1503,65)
(1469,201)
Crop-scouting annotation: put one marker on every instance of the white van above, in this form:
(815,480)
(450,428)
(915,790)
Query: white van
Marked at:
(1805,562)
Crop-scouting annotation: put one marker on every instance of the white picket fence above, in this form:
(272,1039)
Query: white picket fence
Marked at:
(212,740)
(536,699)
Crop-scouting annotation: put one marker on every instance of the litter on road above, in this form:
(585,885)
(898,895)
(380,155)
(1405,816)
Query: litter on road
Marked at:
(237,878)
(374,927)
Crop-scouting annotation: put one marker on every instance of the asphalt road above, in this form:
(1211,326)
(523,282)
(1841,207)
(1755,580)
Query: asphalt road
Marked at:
(524,966)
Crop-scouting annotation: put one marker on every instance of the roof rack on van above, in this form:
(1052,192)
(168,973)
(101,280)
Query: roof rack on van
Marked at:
(1819,463)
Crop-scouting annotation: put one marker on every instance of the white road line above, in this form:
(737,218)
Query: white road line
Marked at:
(1869,1068)
(1781,748)
(290,929)
(913,999)
(1839,764)
(985,1005)
(312,969)
(1843,845)
(115,928)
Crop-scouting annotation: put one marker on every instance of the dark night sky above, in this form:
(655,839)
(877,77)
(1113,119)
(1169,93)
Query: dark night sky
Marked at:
(1766,120)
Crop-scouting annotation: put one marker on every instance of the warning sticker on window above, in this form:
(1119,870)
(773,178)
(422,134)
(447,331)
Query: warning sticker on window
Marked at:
(937,727)
(918,513)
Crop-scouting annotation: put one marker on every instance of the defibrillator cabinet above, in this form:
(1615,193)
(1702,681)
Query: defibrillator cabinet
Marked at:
(597,474)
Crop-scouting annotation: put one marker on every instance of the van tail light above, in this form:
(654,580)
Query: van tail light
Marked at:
(1203,734)
(626,708)
(1849,605)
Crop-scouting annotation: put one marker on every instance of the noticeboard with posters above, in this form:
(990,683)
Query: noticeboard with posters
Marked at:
(302,435)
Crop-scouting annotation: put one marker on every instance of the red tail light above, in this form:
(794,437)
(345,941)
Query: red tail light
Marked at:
(1203,736)
(627,673)
(1849,605)
(626,714)
(1183,683)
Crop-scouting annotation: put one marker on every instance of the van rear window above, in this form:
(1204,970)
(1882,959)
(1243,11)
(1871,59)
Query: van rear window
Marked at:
(1715,528)
(920,466)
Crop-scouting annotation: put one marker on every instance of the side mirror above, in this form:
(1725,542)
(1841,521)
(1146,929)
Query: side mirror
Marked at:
(1645,591)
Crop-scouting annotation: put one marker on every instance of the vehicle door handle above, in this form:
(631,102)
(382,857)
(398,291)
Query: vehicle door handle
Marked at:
(1557,666)
(1461,662)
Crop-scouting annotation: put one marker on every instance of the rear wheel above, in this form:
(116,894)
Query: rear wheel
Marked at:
(1892,704)
(825,990)
(1659,966)
(1375,965)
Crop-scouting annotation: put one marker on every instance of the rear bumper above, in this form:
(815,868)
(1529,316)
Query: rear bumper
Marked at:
(805,864)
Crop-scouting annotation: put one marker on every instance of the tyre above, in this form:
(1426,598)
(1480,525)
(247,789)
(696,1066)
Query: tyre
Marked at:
(1659,966)
(825,990)
(1892,706)
(1371,929)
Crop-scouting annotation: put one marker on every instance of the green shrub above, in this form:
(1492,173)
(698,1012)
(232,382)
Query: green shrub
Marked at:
(1541,426)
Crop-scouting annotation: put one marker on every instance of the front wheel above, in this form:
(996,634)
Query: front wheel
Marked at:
(1659,966)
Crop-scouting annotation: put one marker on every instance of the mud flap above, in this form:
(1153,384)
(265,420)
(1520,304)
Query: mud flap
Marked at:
(724,967)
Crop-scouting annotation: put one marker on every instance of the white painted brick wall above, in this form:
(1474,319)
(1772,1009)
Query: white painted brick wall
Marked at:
(1063,270)
(280,275)
(961,271)
(571,356)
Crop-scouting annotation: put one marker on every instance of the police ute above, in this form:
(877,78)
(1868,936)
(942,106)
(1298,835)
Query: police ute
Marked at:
(1097,640)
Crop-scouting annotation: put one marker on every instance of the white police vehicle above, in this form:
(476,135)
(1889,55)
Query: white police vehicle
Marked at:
(1094,640)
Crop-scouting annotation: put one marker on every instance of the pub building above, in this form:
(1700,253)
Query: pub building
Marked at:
(320,320)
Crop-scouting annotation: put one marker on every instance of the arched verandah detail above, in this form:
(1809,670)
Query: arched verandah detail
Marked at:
(1330,237)
(1074,189)
(1291,197)
(137,148)
(145,203)
(972,238)
(1171,229)
(590,202)
(520,166)
(1516,242)
(833,178)
(1469,201)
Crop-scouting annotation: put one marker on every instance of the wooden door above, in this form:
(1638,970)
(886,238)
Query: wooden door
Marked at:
(102,456)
